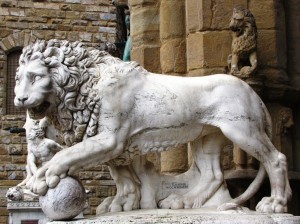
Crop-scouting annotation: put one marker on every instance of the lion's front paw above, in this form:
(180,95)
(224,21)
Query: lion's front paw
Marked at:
(173,201)
(234,71)
(48,176)
(246,72)
(119,203)
(271,205)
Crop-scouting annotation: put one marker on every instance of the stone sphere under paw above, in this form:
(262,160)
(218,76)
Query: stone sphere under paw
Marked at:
(65,201)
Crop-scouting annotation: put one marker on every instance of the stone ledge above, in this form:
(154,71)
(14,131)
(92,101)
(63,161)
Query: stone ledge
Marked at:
(203,216)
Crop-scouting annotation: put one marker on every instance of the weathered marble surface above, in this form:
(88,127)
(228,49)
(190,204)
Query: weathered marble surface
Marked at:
(104,110)
(203,216)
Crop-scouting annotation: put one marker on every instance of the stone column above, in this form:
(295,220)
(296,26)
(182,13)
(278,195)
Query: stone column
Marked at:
(208,37)
(209,42)
(293,48)
(173,62)
(144,33)
(272,51)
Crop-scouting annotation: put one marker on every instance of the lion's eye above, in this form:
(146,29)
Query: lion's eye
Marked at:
(37,78)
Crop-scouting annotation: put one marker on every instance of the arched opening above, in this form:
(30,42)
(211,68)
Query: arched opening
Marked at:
(12,65)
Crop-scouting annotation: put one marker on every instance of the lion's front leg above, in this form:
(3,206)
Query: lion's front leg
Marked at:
(97,149)
(247,71)
(128,191)
(234,69)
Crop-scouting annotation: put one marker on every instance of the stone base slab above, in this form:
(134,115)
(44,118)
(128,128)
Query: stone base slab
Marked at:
(186,216)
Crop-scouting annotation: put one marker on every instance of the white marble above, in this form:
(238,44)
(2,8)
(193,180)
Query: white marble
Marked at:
(104,110)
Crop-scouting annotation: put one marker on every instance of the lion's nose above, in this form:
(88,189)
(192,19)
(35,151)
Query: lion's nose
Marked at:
(23,99)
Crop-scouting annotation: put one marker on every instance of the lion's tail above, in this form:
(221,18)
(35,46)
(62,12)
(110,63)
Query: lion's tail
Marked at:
(258,180)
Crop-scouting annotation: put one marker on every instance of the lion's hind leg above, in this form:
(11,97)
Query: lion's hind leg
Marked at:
(206,154)
(259,145)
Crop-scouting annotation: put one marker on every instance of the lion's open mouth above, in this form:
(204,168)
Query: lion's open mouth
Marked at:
(39,110)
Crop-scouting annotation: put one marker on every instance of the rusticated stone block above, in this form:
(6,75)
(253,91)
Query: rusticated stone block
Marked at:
(173,56)
(5,33)
(208,49)
(206,71)
(148,57)
(60,34)
(271,49)
(19,38)
(101,176)
(49,34)
(11,18)
(79,28)
(4,11)
(17,12)
(85,175)
(17,25)
(3,175)
(293,34)
(72,15)
(144,19)
(19,159)
(15,175)
(94,201)
(15,149)
(42,5)
(175,160)
(274,76)
(78,8)
(210,14)
(39,34)
(141,2)
(172,19)
(104,191)
(73,1)
(151,59)
(268,15)
(73,36)
(24,4)
(90,16)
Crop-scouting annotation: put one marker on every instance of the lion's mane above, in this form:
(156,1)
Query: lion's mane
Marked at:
(74,70)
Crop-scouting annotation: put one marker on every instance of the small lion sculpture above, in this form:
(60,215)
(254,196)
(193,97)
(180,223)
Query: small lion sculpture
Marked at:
(115,112)
(242,62)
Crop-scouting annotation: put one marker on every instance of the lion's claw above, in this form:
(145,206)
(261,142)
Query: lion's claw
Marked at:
(118,204)
(271,205)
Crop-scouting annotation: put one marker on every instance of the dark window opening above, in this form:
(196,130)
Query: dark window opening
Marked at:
(12,65)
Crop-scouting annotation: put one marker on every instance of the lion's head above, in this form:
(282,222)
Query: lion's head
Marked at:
(242,22)
(15,194)
(55,79)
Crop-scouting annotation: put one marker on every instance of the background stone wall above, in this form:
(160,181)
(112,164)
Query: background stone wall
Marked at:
(21,23)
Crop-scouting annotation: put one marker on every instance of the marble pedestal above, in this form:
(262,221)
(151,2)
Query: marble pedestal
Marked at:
(185,216)
(25,212)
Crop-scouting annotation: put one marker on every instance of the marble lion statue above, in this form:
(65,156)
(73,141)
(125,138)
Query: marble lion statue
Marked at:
(103,110)
(242,62)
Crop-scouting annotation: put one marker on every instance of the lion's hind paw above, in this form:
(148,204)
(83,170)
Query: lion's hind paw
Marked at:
(271,205)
